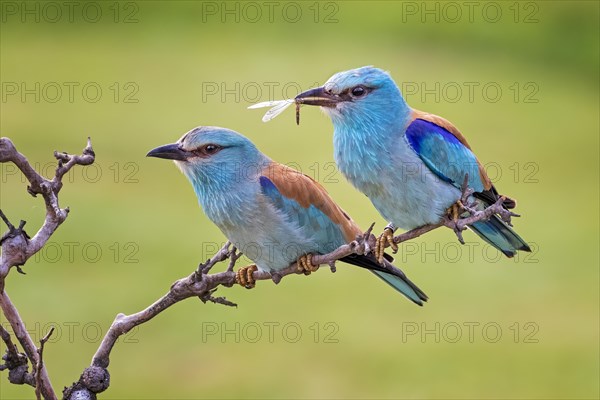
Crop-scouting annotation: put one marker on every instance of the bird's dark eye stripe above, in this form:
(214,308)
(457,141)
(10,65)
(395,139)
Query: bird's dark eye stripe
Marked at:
(207,150)
(355,92)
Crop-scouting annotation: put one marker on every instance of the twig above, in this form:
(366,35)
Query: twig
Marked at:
(11,348)
(233,257)
(221,255)
(216,299)
(40,364)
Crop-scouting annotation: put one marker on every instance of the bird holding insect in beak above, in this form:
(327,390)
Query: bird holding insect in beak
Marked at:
(274,214)
(411,164)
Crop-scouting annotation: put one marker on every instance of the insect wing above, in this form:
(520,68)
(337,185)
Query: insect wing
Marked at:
(276,110)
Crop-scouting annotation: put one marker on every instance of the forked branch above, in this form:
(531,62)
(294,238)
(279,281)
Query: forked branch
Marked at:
(17,247)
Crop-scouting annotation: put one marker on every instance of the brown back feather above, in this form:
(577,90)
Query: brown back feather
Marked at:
(306,191)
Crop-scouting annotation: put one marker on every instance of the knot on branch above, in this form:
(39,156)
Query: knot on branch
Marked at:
(18,369)
(93,380)
(20,375)
(362,244)
(44,188)
(78,391)
(96,379)
(13,359)
(16,246)
(15,243)
(12,231)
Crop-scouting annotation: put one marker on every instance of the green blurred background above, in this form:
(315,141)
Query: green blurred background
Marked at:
(493,328)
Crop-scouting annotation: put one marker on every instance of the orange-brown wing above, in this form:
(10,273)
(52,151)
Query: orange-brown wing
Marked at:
(447,125)
(307,192)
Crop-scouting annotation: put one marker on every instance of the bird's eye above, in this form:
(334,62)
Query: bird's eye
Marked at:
(358,91)
(208,149)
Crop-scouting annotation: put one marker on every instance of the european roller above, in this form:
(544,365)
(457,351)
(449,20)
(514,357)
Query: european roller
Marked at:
(274,214)
(411,164)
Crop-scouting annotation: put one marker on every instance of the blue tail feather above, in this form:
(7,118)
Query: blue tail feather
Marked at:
(404,286)
(395,277)
(500,235)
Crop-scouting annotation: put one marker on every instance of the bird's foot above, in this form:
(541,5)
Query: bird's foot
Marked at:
(454,213)
(305,265)
(456,210)
(463,205)
(244,276)
(384,240)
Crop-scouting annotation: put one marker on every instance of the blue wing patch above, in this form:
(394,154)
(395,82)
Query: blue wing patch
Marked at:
(444,154)
(267,186)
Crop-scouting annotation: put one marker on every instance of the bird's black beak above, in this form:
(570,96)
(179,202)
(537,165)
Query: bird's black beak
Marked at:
(318,97)
(169,151)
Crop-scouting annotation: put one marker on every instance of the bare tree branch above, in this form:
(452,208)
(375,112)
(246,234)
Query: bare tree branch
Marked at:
(17,247)
(202,284)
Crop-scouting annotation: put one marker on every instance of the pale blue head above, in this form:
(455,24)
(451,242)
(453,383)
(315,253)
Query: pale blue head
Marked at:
(358,97)
(213,157)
